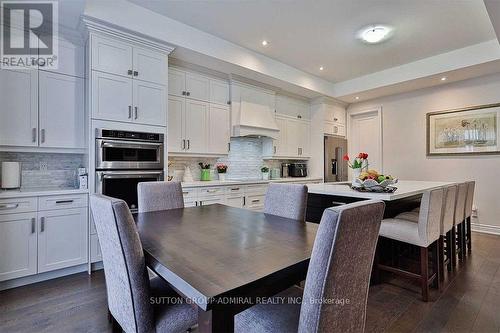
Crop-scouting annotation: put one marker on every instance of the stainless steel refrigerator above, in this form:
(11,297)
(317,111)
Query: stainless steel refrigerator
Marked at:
(335,166)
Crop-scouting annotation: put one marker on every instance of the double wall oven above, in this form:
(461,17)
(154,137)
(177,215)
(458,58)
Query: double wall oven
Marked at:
(124,159)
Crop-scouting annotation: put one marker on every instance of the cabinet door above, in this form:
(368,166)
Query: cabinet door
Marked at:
(62,238)
(280,145)
(303,135)
(111,56)
(197,87)
(293,129)
(219,92)
(176,113)
(150,66)
(212,201)
(62,116)
(17,245)
(71,59)
(218,129)
(19,107)
(150,103)
(235,201)
(255,202)
(176,82)
(196,126)
(111,97)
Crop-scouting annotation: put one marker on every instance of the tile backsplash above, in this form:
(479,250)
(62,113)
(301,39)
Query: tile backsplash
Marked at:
(60,168)
(244,162)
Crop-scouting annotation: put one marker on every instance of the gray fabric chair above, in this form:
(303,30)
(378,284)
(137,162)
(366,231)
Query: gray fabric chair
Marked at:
(127,284)
(339,270)
(468,214)
(286,200)
(153,196)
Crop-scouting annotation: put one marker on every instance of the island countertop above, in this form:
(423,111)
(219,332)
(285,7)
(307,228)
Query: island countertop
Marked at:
(405,189)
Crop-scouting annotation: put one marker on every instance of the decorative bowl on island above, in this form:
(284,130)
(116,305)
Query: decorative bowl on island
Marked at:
(372,181)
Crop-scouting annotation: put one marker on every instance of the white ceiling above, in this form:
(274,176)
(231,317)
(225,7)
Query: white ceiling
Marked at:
(307,34)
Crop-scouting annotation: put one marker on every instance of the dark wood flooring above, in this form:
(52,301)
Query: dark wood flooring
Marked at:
(470,302)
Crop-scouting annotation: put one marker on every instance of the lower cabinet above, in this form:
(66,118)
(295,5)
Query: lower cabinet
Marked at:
(62,240)
(235,201)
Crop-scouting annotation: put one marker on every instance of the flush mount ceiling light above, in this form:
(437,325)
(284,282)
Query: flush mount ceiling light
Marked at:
(375,34)
(357,97)
(265,42)
(321,68)
(443,78)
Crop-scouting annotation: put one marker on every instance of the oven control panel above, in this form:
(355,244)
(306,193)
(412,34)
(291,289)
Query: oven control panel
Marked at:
(128,135)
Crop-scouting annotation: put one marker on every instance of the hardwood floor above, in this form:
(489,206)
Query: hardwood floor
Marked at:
(469,302)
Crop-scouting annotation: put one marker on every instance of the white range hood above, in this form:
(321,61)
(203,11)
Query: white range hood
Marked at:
(254,116)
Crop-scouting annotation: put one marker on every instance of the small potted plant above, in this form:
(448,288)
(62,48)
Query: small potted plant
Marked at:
(221,171)
(205,171)
(359,163)
(265,172)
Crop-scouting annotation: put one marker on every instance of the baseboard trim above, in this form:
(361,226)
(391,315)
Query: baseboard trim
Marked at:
(486,228)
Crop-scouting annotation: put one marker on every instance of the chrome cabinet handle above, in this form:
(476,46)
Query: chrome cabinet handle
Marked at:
(136,73)
(255,200)
(299,116)
(42,134)
(188,93)
(335,119)
(9,206)
(235,189)
(129,72)
(183,93)
(185,193)
(33,134)
(275,149)
(189,144)
(33,225)
(42,224)
(211,191)
(135,112)
(64,201)
(129,111)
(183,144)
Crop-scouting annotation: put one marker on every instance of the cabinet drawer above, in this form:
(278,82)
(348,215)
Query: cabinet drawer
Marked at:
(333,129)
(234,190)
(211,191)
(256,189)
(189,194)
(18,205)
(62,202)
(254,201)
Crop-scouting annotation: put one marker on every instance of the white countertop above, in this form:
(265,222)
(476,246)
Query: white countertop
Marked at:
(406,188)
(200,183)
(36,191)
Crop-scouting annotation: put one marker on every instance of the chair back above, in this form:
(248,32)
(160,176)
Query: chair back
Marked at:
(286,200)
(450,200)
(127,282)
(340,268)
(153,196)
(429,219)
(461,200)
(470,198)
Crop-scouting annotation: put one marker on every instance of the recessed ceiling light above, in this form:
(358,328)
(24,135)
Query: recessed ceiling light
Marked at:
(443,78)
(375,34)
(357,97)
(265,42)
(321,68)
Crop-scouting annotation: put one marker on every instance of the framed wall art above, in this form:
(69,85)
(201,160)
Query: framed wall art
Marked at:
(469,131)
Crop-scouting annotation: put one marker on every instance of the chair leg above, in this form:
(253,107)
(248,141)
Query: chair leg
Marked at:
(441,257)
(449,250)
(453,247)
(424,273)
(115,327)
(469,235)
(376,270)
(110,317)
(460,241)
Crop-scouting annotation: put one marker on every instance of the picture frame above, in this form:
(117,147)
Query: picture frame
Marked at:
(474,130)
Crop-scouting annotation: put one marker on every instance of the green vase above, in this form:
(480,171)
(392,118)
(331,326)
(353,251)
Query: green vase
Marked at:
(205,174)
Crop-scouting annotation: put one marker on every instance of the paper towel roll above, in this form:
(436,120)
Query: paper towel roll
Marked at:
(11,175)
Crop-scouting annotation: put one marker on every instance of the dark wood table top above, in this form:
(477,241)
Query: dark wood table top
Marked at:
(217,251)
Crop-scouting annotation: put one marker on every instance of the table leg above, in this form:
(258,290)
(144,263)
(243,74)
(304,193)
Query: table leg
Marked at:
(216,320)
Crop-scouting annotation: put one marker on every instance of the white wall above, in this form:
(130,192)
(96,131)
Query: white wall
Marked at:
(404,140)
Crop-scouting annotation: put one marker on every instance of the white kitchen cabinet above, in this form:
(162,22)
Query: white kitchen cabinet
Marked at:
(212,201)
(150,103)
(62,238)
(218,129)
(111,56)
(176,113)
(304,135)
(18,245)
(335,114)
(197,87)
(196,126)
(293,107)
(19,110)
(149,65)
(71,59)
(61,111)
(111,97)
(293,141)
(255,202)
(235,200)
(219,92)
(176,82)
(280,146)
(332,128)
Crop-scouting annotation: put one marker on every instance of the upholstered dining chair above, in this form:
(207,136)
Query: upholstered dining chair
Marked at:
(459,219)
(423,234)
(153,196)
(127,284)
(468,214)
(339,272)
(286,200)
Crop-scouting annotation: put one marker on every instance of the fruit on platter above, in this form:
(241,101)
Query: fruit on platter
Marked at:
(374,175)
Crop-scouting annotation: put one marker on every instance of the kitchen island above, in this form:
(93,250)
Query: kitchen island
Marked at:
(406,197)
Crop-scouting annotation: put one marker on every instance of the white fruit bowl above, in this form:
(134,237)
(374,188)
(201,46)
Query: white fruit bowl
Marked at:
(373,185)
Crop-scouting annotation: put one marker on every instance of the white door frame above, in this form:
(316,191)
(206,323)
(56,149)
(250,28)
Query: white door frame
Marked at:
(350,115)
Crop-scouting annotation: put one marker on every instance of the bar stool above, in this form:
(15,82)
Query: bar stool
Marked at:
(459,221)
(424,234)
(468,214)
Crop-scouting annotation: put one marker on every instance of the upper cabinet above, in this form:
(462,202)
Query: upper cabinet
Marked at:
(197,86)
(128,81)
(335,119)
(293,107)
(293,141)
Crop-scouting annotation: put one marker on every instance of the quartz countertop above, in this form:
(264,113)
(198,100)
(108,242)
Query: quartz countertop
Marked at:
(37,191)
(249,182)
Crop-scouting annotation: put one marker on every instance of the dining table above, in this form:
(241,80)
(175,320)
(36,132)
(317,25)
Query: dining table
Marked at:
(225,259)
